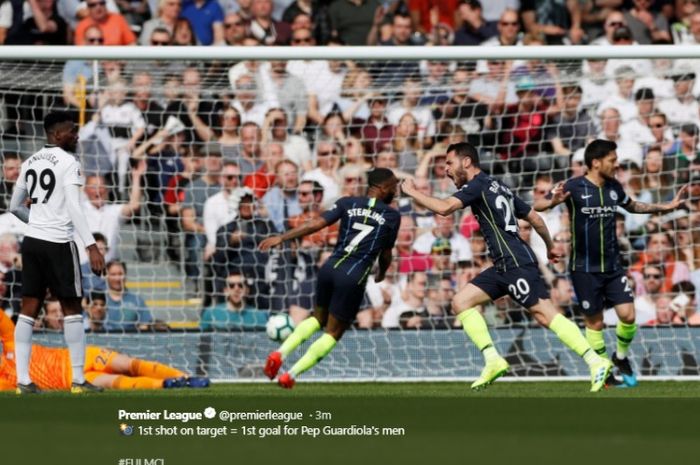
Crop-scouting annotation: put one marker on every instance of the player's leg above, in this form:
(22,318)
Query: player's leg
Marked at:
(34,286)
(335,329)
(483,288)
(305,329)
(625,331)
(123,382)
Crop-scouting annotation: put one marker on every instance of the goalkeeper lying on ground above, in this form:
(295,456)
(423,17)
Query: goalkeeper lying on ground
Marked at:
(50,368)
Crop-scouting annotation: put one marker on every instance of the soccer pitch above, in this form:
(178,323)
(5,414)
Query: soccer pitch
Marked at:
(511,422)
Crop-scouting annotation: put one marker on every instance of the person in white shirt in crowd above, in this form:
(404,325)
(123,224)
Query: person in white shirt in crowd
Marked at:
(508,35)
(645,302)
(250,102)
(494,88)
(683,108)
(288,90)
(627,150)
(218,210)
(282,200)
(552,218)
(445,228)
(409,302)
(596,85)
(276,130)
(638,129)
(613,21)
(623,99)
(107,217)
(411,94)
(327,164)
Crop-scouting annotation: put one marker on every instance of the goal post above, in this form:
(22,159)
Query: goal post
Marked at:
(273,134)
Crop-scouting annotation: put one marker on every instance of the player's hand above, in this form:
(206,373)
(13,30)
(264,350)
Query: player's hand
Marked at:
(408,187)
(559,194)
(679,199)
(97,261)
(270,243)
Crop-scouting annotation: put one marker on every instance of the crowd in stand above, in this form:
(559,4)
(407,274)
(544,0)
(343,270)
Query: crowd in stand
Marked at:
(221,155)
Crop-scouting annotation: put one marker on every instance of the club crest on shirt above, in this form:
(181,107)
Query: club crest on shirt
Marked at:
(613,195)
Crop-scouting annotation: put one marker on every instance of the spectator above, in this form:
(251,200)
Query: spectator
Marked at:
(613,21)
(96,311)
(409,103)
(408,304)
(401,32)
(168,13)
(282,200)
(263,179)
(183,34)
(657,181)
(219,209)
(144,100)
(409,259)
(627,150)
(475,29)
(248,155)
(107,217)
(266,29)
(78,74)
(11,163)
(126,311)
(596,85)
(461,109)
(235,312)
(662,134)
(39,24)
(407,144)
(235,29)
(645,303)
(429,13)
(288,90)
(684,304)
(230,124)
(445,228)
(646,25)
(92,282)
(135,11)
(557,22)
(192,212)
(351,21)
(683,153)
(250,101)
(174,198)
(298,8)
(508,28)
(114,27)
(435,83)
(357,90)
(194,108)
(206,18)
(562,247)
(638,129)
(424,218)
(562,296)
(377,132)
(572,128)
(683,108)
(353,181)
(440,265)
(552,218)
(327,164)
(495,88)
(687,29)
(659,252)
(622,101)
(310,200)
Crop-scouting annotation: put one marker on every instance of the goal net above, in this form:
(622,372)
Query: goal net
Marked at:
(190,163)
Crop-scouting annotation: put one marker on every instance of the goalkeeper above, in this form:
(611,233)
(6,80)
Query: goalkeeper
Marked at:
(50,368)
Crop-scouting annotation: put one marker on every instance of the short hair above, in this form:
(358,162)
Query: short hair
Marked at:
(316,187)
(598,149)
(230,163)
(379,176)
(11,156)
(99,237)
(644,93)
(97,295)
(465,150)
(56,117)
(161,30)
(690,128)
(112,263)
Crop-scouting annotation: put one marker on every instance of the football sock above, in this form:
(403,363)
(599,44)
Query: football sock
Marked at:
(475,327)
(137,382)
(625,333)
(23,347)
(302,332)
(314,354)
(74,334)
(153,370)
(567,331)
(597,341)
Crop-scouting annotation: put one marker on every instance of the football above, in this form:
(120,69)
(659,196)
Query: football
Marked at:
(279,327)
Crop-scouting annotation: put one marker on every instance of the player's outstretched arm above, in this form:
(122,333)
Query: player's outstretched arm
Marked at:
(641,207)
(442,207)
(310,227)
(539,225)
(558,196)
(17,206)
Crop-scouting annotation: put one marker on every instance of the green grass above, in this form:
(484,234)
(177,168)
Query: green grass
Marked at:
(444,423)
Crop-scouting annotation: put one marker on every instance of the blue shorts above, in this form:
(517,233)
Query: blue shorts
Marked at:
(339,292)
(524,284)
(597,291)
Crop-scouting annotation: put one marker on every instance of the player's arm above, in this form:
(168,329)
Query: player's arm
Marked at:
(310,227)
(72,194)
(384,262)
(17,204)
(634,206)
(557,196)
(442,207)
(539,225)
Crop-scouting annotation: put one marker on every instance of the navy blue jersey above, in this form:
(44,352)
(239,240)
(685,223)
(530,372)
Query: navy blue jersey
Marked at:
(497,209)
(592,211)
(367,226)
